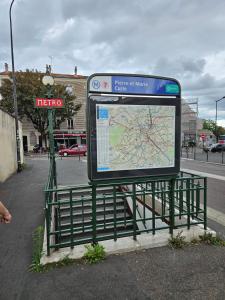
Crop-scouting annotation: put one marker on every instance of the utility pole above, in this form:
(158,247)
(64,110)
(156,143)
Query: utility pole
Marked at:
(19,166)
(216,129)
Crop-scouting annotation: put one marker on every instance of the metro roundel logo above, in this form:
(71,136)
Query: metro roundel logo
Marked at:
(96,84)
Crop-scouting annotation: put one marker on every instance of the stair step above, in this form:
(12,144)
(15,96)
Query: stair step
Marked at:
(108,218)
(88,234)
(63,194)
(88,212)
(88,204)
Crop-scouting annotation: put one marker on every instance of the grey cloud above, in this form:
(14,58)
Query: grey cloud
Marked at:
(159,37)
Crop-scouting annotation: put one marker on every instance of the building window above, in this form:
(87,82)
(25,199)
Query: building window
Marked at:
(70,123)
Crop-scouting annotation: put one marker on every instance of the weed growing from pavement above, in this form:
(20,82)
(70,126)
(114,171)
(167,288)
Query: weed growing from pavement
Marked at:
(209,239)
(177,242)
(38,236)
(94,254)
(36,265)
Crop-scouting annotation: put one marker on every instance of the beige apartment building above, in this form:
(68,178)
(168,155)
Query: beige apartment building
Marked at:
(72,130)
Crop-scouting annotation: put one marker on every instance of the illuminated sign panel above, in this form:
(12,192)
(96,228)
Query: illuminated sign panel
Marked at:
(49,103)
(134,85)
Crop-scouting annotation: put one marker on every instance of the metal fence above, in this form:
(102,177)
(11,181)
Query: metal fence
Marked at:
(201,155)
(90,213)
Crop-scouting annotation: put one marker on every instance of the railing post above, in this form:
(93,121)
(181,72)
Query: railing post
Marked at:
(47,218)
(114,213)
(153,207)
(71,220)
(94,214)
(188,201)
(205,203)
(134,211)
(197,198)
(171,201)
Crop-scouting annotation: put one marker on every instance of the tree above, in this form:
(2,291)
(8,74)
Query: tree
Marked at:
(29,86)
(215,129)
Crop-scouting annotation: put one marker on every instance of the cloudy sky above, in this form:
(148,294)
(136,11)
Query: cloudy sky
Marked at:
(179,38)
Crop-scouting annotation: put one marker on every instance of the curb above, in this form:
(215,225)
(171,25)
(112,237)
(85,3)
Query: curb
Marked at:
(126,244)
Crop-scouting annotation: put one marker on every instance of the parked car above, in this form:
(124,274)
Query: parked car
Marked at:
(215,148)
(74,150)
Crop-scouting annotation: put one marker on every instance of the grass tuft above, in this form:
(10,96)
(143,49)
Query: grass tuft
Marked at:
(95,253)
(177,242)
(209,239)
(38,237)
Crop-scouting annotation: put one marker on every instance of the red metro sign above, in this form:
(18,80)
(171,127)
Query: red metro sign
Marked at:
(49,103)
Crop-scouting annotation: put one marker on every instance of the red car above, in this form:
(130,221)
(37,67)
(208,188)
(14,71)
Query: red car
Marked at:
(74,150)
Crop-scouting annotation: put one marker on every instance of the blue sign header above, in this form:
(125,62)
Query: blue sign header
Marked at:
(134,85)
(144,85)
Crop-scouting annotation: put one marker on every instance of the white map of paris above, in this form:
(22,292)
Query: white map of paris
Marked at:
(135,137)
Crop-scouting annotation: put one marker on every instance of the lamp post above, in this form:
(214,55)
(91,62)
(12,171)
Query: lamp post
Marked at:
(216,117)
(19,166)
(48,81)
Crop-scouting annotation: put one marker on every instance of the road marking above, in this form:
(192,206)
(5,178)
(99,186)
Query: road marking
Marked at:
(214,176)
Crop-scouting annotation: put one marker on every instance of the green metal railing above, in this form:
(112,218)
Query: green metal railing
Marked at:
(95,212)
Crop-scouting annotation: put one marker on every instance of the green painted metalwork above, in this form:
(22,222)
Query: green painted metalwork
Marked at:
(95,212)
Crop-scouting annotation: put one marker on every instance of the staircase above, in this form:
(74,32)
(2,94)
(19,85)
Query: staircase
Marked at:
(74,218)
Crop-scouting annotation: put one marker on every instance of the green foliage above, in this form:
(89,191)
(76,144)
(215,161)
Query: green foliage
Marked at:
(177,242)
(94,254)
(38,237)
(211,125)
(29,86)
(209,239)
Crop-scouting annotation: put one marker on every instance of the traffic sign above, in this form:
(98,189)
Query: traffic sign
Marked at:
(49,103)
(203,135)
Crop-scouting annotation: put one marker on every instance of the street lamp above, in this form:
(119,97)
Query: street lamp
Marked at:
(48,81)
(216,117)
(19,166)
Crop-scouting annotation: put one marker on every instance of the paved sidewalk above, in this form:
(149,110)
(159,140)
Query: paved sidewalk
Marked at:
(197,272)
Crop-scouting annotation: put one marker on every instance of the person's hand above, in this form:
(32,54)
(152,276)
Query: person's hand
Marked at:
(6,218)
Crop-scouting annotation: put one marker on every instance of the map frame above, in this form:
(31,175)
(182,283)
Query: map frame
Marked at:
(153,95)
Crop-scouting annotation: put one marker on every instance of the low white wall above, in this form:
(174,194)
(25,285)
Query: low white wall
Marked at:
(8,157)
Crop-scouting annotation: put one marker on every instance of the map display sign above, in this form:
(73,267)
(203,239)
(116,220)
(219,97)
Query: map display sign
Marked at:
(133,133)
(134,137)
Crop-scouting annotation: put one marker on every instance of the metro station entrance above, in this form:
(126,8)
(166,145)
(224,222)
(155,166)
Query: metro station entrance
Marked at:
(135,183)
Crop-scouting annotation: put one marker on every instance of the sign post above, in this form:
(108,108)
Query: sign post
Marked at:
(133,126)
(50,104)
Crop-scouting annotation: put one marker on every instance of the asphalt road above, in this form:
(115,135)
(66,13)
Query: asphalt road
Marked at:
(216,188)
(197,272)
